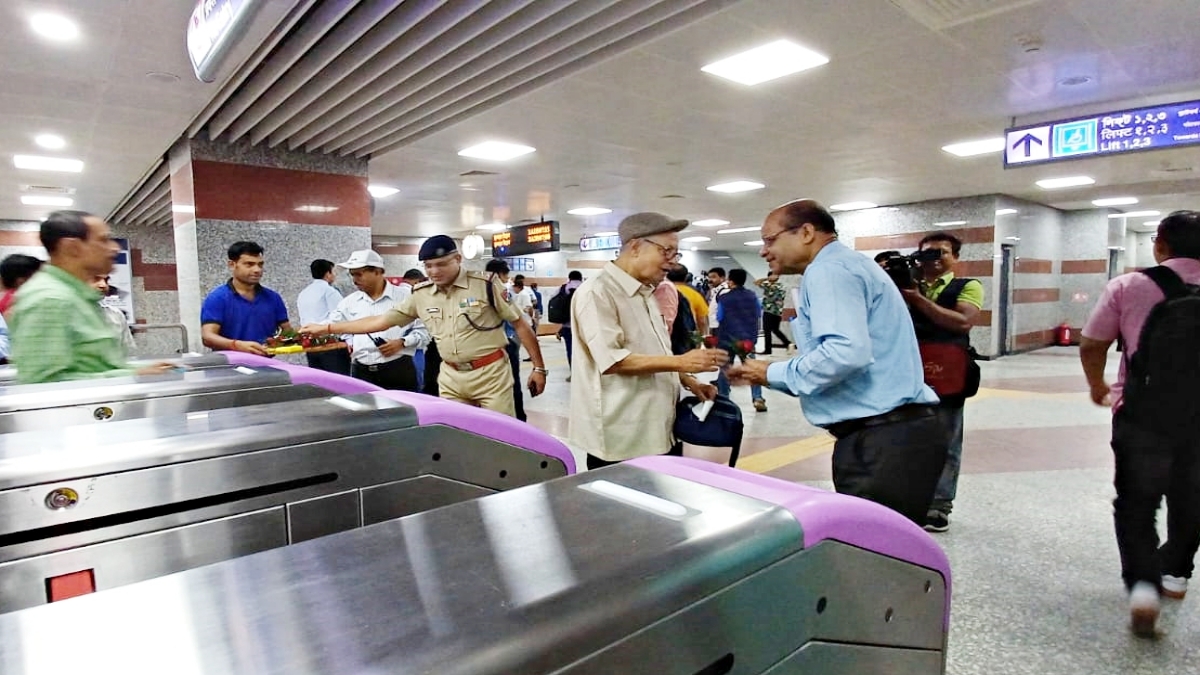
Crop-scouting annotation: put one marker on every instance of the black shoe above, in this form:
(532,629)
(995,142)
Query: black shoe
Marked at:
(936,521)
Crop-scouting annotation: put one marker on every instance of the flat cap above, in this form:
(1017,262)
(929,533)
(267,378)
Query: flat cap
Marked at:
(437,246)
(648,223)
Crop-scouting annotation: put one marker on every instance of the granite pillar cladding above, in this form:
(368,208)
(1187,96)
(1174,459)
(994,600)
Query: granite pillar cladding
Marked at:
(155,288)
(903,226)
(299,207)
(1084,270)
(398,258)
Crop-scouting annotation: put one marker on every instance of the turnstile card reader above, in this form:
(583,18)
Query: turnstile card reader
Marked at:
(662,568)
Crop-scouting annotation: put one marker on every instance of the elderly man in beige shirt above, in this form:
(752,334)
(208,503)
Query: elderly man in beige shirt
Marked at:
(624,379)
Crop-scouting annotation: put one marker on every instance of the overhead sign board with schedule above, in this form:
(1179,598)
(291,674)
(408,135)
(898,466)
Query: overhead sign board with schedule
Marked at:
(1154,128)
(607,242)
(526,239)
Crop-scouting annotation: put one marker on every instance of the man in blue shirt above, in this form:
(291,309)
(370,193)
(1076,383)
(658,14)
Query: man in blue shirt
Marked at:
(857,370)
(243,313)
(738,310)
(314,304)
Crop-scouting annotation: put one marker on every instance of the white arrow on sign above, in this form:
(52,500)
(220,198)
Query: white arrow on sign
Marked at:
(1027,145)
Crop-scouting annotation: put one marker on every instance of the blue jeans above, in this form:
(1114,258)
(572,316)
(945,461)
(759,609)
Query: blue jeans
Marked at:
(947,487)
(565,332)
(723,382)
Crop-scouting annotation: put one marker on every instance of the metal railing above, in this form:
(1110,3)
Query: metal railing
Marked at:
(183,333)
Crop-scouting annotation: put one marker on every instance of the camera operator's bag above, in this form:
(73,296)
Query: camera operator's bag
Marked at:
(950,369)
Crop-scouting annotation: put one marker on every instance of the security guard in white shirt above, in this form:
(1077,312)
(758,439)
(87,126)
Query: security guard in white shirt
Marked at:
(383,358)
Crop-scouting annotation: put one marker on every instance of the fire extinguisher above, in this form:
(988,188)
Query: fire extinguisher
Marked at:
(1062,335)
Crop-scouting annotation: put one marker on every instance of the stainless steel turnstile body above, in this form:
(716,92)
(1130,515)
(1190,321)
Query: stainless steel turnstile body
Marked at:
(135,499)
(659,567)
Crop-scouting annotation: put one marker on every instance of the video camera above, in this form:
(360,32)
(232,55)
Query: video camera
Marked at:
(906,269)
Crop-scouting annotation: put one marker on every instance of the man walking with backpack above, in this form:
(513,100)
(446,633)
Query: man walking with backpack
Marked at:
(1156,410)
(559,311)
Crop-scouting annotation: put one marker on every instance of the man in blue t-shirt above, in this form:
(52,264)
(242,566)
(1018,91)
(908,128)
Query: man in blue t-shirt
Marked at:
(738,312)
(243,313)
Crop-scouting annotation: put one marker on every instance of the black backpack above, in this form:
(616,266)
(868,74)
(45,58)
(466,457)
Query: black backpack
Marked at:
(559,308)
(683,328)
(1162,376)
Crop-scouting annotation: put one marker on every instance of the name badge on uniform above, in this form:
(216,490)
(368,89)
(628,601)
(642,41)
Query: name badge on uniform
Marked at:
(434,310)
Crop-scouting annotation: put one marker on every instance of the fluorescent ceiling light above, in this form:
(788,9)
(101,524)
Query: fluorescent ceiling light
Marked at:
(1135,214)
(1005,212)
(47,163)
(756,242)
(381,191)
(696,239)
(1151,223)
(54,27)
(1065,182)
(767,62)
(50,141)
(606,234)
(589,211)
(738,229)
(853,206)
(721,257)
(1013,238)
(496,150)
(1115,201)
(43,200)
(950,223)
(694,249)
(972,148)
(316,208)
(493,227)
(710,222)
(736,186)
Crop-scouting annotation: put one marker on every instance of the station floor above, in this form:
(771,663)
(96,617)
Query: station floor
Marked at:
(1036,585)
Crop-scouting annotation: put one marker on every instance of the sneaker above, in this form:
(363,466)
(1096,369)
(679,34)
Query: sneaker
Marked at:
(1174,587)
(760,405)
(1143,609)
(936,521)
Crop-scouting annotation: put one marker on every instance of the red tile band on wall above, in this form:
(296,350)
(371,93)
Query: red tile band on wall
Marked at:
(1039,338)
(155,276)
(968,235)
(1034,266)
(399,249)
(253,193)
(1028,295)
(974,268)
(1085,266)
(14,238)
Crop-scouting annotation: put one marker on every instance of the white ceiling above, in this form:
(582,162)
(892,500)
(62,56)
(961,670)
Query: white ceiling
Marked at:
(648,123)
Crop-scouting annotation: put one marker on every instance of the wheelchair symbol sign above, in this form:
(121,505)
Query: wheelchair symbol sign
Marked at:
(1075,138)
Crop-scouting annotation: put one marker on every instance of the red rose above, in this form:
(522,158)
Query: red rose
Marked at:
(710,341)
(746,346)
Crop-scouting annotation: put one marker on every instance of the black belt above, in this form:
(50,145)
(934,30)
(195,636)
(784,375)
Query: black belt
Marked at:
(904,413)
(376,367)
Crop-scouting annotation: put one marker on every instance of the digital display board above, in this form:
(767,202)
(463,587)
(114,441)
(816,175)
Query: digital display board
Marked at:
(526,239)
(1155,128)
(605,243)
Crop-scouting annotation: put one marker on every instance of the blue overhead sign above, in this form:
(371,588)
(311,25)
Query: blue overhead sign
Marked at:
(605,243)
(1159,127)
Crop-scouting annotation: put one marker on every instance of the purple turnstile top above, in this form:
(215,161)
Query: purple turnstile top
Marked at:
(821,514)
(338,384)
(494,425)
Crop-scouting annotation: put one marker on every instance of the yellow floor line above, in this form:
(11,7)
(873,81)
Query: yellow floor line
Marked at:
(790,453)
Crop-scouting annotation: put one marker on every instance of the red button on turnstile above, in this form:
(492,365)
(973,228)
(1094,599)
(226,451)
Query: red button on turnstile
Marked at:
(70,585)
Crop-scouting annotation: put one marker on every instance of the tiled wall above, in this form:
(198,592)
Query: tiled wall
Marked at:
(155,287)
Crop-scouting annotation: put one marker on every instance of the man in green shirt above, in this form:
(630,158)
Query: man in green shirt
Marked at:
(58,330)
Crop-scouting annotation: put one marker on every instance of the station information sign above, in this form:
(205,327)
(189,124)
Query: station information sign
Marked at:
(605,243)
(526,239)
(1154,128)
(213,29)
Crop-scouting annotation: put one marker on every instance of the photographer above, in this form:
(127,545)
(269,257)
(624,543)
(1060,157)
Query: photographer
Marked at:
(943,308)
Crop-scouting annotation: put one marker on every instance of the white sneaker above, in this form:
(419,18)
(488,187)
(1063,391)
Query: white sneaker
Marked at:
(1143,609)
(1174,587)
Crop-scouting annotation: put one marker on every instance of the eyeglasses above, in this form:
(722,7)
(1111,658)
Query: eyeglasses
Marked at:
(770,241)
(668,252)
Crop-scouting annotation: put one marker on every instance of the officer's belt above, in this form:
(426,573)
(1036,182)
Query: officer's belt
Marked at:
(479,362)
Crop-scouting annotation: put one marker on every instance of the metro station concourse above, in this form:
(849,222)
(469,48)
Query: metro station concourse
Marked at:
(252,515)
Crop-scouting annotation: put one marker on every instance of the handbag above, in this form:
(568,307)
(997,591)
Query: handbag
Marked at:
(950,369)
(722,427)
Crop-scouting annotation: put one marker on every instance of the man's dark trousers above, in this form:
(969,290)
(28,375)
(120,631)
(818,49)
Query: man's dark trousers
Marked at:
(398,374)
(1149,466)
(336,361)
(896,464)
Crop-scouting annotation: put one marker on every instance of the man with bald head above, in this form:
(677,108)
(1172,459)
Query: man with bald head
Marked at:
(857,370)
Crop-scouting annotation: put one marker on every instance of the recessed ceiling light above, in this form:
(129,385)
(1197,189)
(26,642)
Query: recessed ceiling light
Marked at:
(606,234)
(710,222)
(853,206)
(1151,223)
(1135,214)
(316,208)
(950,223)
(43,200)
(496,150)
(493,227)
(50,141)
(972,148)
(738,229)
(767,62)
(1005,212)
(756,242)
(696,239)
(1115,201)
(736,186)
(47,163)
(381,191)
(1065,182)
(54,27)
(589,211)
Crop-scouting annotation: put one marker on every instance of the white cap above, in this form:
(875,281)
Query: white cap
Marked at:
(364,258)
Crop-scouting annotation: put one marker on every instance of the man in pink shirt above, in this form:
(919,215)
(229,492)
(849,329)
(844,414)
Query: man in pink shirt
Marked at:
(1151,460)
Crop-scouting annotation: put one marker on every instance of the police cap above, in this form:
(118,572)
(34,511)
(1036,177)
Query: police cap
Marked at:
(436,246)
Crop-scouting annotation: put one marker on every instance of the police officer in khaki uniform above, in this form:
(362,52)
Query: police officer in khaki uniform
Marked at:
(467,321)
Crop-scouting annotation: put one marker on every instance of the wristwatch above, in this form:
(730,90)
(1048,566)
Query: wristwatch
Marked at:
(541,370)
